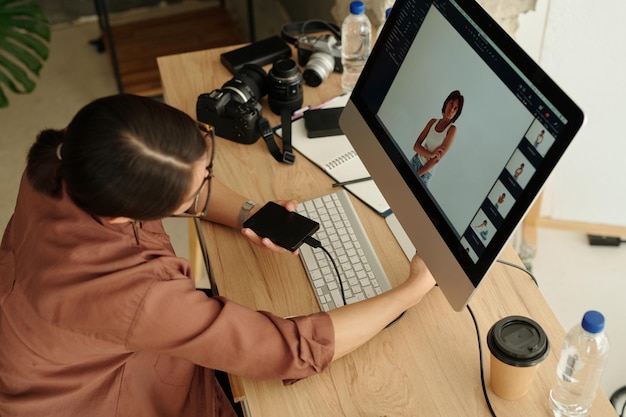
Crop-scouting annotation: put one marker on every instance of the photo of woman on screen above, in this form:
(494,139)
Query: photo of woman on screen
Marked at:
(437,137)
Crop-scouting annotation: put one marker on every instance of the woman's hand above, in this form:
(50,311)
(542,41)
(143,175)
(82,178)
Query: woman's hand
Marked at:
(290,205)
(439,152)
(419,277)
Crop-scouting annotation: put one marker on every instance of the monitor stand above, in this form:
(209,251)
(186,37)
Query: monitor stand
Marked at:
(400,235)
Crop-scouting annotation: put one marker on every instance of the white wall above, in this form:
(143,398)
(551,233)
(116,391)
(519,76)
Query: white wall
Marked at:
(579,44)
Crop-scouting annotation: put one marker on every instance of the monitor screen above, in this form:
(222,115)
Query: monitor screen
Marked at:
(460,129)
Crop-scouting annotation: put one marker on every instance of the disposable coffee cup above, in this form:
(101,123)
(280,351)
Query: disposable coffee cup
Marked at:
(518,345)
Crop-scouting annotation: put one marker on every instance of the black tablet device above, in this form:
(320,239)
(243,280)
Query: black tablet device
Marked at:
(262,52)
(285,228)
(322,122)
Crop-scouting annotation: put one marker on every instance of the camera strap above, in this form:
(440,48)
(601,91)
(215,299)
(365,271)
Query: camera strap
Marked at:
(291,32)
(286,156)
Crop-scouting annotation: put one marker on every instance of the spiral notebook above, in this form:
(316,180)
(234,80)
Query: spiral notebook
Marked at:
(337,158)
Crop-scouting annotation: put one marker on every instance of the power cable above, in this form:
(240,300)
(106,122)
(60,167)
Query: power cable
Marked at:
(480,348)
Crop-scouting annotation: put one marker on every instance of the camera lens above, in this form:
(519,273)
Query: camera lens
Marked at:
(318,68)
(249,82)
(285,86)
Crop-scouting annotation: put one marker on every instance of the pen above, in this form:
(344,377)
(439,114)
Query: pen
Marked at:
(299,113)
(341,184)
(327,102)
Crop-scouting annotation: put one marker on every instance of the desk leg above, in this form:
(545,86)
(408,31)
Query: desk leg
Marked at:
(251,22)
(195,252)
(530,223)
(204,253)
(238,394)
(105,26)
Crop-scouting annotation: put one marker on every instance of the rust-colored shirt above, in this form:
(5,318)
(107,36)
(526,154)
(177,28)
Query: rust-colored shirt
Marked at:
(99,319)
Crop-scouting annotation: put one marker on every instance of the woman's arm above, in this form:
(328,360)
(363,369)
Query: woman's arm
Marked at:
(439,152)
(447,142)
(418,147)
(225,205)
(428,166)
(357,323)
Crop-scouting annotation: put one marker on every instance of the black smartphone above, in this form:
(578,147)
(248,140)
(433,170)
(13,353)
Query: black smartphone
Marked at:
(261,53)
(283,227)
(322,122)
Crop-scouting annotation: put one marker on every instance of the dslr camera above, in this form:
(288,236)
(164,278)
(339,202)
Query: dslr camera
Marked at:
(236,114)
(234,110)
(319,55)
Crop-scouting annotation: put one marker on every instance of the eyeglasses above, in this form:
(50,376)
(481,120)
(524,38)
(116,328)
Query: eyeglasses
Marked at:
(209,137)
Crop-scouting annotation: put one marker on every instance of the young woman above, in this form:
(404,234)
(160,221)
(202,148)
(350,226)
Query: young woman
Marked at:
(436,138)
(98,317)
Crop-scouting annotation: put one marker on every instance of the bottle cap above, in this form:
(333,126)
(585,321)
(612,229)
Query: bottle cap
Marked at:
(593,322)
(357,7)
(518,341)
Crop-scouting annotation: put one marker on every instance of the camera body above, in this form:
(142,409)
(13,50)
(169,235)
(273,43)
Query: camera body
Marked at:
(231,119)
(234,110)
(319,55)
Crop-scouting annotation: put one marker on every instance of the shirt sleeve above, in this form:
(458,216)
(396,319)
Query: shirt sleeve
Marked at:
(220,334)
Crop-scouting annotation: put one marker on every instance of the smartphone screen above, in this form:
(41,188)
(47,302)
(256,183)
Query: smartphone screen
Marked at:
(283,227)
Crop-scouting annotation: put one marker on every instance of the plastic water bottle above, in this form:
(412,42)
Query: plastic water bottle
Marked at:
(356,39)
(580,366)
(380,28)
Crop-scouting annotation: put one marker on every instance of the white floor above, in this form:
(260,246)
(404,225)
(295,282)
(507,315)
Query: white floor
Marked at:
(573,276)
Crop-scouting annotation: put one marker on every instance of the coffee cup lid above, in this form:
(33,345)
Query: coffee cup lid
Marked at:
(518,341)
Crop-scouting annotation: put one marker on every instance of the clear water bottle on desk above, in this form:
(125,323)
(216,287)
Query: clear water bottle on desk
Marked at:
(580,367)
(380,28)
(356,40)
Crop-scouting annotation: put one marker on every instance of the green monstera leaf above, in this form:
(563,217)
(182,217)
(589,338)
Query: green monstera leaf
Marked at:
(24,40)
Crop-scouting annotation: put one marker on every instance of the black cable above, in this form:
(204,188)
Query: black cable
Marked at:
(480,348)
(520,268)
(334,29)
(482,371)
(316,244)
(292,32)
(616,397)
(343,294)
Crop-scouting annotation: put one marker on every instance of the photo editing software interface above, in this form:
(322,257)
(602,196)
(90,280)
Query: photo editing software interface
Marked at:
(508,135)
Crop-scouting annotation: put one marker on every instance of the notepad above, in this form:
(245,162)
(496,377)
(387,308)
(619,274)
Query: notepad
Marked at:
(337,158)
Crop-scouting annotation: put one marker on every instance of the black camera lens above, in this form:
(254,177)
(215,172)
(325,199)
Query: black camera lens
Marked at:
(318,68)
(285,86)
(249,82)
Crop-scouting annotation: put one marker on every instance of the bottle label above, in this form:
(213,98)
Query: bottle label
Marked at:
(569,365)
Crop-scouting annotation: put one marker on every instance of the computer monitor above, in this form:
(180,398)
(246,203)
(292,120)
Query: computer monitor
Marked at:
(514,124)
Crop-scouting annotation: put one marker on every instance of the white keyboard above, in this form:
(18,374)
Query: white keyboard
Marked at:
(343,236)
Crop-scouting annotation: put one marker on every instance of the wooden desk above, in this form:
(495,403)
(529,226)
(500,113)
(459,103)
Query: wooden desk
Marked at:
(425,365)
